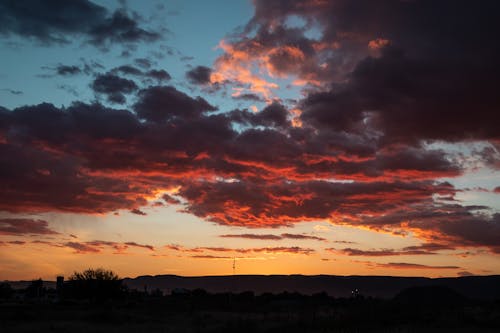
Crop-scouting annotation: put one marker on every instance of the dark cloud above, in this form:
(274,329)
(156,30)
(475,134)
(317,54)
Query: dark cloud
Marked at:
(208,256)
(13,92)
(199,75)
(274,237)
(143,246)
(274,115)
(16,242)
(254,236)
(143,62)
(97,246)
(159,75)
(65,70)
(127,70)
(249,97)
(405,265)
(51,20)
(120,28)
(302,236)
(424,249)
(378,69)
(163,104)
(82,247)
(284,203)
(170,200)
(87,158)
(277,249)
(114,87)
(407,100)
(54,21)
(36,177)
(18,226)
(137,211)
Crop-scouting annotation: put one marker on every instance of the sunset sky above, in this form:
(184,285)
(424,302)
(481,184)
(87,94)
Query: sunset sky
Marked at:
(343,137)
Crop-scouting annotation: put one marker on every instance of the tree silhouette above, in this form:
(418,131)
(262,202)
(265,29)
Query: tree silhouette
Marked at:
(94,284)
(100,274)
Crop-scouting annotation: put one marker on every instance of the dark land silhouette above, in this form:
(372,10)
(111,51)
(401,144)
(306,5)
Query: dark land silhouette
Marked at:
(476,287)
(101,302)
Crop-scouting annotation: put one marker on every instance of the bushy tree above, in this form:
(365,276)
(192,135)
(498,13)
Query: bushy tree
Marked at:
(94,284)
(100,274)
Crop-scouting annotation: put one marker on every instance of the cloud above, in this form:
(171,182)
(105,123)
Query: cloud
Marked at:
(302,236)
(144,246)
(13,92)
(67,70)
(17,242)
(159,75)
(405,265)
(418,85)
(161,104)
(128,70)
(82,247)
(58,21)
(276,249)
(120,28)
(114,87)
(274,115)
(343,242)
(234,167)
(199,75)
(207,256)
(97,246)
(143,62)
(425,249)
(19,226)
(273,237)
(170,200)
(137,211)
(393,83)
(254,236)
(248,97)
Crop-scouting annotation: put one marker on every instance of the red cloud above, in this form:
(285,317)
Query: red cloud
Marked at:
(82,247)
(359,157)
(405,265)
(15,226)
(277,249)
(274,237)
(412,250)
(97,245)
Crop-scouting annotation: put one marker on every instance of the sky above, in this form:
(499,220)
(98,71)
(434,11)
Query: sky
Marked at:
(343,137)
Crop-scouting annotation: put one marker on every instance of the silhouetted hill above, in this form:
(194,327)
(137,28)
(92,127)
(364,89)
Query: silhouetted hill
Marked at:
(25,284)
(474,287)
(430,296)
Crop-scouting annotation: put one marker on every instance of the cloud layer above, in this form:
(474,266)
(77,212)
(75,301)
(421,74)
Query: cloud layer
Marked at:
(379,85)
(57,21)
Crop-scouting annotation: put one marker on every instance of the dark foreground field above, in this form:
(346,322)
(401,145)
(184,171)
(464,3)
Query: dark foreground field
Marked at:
(423,309)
